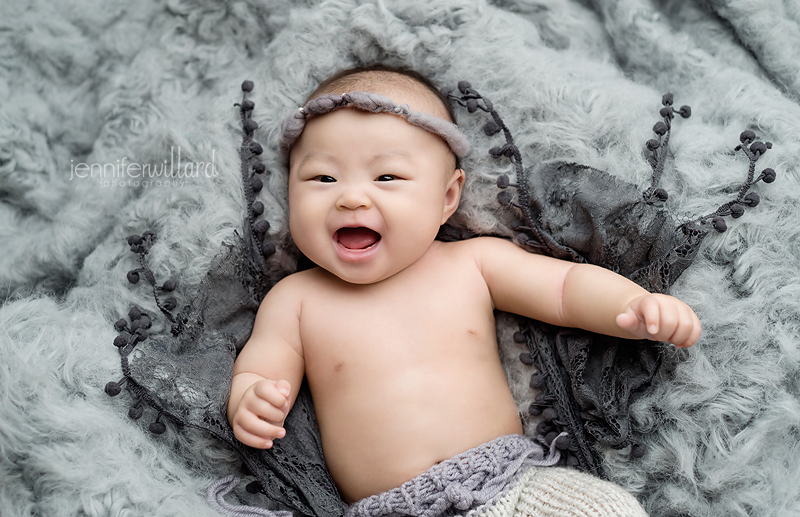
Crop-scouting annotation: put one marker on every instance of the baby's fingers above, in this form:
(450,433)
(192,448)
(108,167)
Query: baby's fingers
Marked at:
(688,330)
(263,409)
(629,321)
(661,318)
(252,440)
(256,432)
(276,394)
(655,321)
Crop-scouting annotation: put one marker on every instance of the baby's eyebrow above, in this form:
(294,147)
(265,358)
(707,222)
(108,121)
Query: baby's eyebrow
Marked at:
(316,156)
(391,155)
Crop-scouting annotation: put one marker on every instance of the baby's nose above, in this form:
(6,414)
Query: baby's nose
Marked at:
(353,198)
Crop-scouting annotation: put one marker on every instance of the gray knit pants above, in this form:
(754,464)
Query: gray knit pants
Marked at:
(508,476)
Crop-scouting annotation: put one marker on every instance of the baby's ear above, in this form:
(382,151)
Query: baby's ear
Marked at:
(453,194)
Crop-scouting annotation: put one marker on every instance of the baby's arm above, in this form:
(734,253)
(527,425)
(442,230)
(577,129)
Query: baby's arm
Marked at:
(581,296)
(268,372)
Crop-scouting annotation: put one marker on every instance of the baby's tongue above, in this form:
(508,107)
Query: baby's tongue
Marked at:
(357,238)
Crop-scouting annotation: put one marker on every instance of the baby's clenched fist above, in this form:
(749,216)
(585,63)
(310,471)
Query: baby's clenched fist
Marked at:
(258,419)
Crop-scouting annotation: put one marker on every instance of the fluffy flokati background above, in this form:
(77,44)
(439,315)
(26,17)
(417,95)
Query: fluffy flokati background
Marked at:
(110,82)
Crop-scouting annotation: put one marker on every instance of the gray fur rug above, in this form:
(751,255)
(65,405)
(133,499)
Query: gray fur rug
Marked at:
(92,83)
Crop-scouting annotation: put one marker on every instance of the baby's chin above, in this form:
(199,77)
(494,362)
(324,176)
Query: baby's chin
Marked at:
(359,275)
(363,278)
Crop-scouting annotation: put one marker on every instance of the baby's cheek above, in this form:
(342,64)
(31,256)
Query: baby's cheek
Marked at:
(308,235)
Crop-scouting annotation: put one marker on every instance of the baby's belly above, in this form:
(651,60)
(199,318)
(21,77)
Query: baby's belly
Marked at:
(384,427)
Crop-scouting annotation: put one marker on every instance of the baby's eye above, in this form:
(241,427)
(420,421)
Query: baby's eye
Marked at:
(324,178)
(386,177)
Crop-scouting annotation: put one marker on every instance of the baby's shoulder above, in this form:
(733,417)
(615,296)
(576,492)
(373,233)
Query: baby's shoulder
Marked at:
(295,285)
(476,247)
(486,253)
(459,257)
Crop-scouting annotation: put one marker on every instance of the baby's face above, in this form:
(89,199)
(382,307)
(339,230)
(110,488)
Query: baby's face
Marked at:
(368,192)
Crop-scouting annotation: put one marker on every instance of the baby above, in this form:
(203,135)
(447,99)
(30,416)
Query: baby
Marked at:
(394,330)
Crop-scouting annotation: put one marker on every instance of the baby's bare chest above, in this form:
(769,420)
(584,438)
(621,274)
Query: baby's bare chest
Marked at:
(410,323)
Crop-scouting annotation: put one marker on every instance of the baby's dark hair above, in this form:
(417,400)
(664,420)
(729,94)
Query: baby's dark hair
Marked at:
(349,78)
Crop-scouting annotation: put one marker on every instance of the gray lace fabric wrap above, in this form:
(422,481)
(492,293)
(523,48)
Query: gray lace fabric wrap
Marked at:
(571,211)
(605,221)
(186,378)
(293,125)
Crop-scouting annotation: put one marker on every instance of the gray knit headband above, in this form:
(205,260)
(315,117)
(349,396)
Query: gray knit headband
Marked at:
(292,126)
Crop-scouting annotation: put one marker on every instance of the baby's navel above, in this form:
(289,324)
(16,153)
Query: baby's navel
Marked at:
(339,366)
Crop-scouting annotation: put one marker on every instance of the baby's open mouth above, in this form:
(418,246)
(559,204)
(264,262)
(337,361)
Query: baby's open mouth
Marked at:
(358,238)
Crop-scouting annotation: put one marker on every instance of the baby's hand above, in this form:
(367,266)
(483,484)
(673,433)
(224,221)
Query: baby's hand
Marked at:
(661,318)
(259,417)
